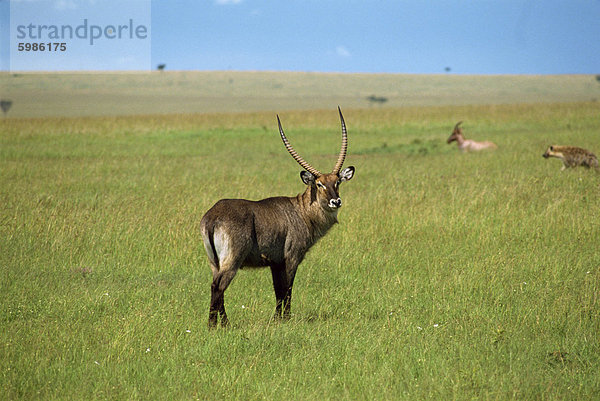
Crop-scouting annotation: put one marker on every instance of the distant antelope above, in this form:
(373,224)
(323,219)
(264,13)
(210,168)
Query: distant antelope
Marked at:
(572,156)
(275,232)
(467,145)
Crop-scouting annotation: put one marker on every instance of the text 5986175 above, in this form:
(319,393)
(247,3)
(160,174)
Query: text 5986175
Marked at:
(41,47)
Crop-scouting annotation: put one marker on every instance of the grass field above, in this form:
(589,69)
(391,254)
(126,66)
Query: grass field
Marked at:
(102,94)
(450,276)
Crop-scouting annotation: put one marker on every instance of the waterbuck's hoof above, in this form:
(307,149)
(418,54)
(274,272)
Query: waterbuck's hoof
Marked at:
(214,324)
(213,320)
(282,317)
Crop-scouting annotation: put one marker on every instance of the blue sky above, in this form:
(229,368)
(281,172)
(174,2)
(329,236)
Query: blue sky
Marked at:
(416,36)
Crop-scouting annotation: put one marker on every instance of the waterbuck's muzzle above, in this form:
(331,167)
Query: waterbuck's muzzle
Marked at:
(335,203)
(545,155)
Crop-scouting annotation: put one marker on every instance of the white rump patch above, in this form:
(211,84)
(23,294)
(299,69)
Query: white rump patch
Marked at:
(221,241)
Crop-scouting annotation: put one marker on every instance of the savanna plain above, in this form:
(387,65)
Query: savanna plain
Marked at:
(449,275)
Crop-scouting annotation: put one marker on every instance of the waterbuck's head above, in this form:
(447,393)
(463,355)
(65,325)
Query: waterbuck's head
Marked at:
(456,133)
(324,188)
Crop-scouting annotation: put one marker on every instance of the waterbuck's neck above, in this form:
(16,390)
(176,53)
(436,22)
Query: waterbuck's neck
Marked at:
(460,140)
(318,218)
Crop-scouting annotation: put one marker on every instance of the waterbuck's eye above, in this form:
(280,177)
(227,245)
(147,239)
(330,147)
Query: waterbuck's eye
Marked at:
(320,185)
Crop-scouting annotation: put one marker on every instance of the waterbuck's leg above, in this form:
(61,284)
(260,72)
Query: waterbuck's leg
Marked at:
(221,280)
(283,281)
(280,286)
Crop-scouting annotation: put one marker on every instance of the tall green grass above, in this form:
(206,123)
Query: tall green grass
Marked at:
(450,276)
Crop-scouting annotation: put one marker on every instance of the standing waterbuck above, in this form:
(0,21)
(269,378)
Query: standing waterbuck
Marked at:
(275,232)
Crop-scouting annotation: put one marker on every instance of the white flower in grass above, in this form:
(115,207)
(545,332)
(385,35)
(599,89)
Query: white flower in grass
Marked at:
(436,325)
(147,350)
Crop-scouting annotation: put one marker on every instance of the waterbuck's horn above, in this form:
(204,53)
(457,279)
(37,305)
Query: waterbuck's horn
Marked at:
(342,156)
(294,154)
(457,124)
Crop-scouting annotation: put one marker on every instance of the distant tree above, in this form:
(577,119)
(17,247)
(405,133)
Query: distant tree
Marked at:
(161,67)
(377,99)
(5,105)
(447,69)
(598,77)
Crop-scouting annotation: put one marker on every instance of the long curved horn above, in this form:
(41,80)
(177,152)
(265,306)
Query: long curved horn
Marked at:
(457,124)
(342,156)
(294,154)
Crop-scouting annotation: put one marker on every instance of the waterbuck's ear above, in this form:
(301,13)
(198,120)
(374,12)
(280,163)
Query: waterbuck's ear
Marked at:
(347,173)
(307,177)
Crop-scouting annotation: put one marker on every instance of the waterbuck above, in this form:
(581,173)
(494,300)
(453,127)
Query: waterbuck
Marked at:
(275,232)
(467,145)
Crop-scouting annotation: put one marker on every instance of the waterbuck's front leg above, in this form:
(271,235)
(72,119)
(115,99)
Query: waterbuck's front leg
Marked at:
(283,281)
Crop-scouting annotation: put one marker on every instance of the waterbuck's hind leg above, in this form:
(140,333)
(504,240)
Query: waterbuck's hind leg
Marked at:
(221,281)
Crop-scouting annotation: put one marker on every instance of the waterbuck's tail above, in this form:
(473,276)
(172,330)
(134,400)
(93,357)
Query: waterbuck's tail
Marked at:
(208,237)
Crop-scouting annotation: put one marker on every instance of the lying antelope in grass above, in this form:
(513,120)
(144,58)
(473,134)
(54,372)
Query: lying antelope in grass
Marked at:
(572,156)
(467,145)
(275,232)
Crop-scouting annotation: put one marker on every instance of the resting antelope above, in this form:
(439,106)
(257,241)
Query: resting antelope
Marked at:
(275,232)
(467,145)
